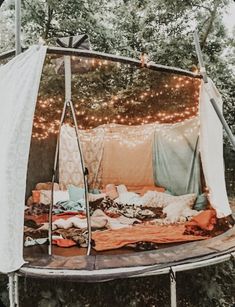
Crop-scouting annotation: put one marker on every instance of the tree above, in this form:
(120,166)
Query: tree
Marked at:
(162,29)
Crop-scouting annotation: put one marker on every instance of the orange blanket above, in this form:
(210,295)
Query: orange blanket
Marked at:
(113,239)
(205,220)
(63,242)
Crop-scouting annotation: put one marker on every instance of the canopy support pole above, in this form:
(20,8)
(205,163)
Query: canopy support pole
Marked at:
(212,100)
(18,26)
(173,288)
(53,181)
(68,103)
(13,289)
(68,98)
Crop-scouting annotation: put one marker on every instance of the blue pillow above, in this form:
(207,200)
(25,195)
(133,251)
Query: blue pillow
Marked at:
(75,193)
(201,202)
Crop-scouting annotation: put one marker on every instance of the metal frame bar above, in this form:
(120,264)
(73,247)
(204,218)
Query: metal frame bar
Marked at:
(85,180)
(7,54)
(212,100)
(68,103)
(68,97)
(105,56)
(173,288)
(53,180)
(17,27)
(13,286)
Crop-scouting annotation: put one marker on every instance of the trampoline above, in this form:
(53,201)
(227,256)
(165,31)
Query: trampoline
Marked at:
(53,88)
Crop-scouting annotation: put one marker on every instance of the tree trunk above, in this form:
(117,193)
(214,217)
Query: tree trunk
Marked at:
(48,23)
(210,25)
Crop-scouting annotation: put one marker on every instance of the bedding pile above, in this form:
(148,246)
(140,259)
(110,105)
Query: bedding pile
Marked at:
(138,218)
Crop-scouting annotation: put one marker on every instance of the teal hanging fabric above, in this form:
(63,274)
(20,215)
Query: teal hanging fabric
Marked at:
(176,157)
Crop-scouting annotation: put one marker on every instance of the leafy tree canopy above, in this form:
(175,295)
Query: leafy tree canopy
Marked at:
(162,29)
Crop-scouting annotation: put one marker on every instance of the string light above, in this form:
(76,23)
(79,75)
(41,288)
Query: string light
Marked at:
(107,108)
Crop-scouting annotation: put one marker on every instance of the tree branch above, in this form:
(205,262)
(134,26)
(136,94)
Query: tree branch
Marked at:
(50,12)
(210,25)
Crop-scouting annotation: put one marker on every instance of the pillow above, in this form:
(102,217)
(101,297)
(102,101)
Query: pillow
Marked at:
(162,200)
(201,202)
(45,196)
(75,193)
(126,160)
(178,212)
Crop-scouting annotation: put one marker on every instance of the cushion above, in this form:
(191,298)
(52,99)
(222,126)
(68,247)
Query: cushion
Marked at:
(45,196)
(127,158)
(179,211)
(162,200)
(75,193)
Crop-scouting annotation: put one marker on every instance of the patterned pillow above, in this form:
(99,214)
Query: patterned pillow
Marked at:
(162,200)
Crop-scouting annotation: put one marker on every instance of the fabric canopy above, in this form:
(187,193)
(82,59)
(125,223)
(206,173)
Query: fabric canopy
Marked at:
(211,148)
(19,83)
(176,157)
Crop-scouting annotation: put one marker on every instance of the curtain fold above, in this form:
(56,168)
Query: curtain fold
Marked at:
(211,148)
(19,84)
(176,158)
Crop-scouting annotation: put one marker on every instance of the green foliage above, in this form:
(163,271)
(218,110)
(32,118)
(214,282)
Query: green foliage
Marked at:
(162,29)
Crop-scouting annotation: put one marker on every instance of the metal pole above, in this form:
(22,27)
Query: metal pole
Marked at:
(18,26)
(53,181)
(11,289)
(16,287)
(173,288)
(212,100)
(199,56)
(68,103)
(85,180)
(68,97)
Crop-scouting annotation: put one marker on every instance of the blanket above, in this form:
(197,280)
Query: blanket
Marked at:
(113,239)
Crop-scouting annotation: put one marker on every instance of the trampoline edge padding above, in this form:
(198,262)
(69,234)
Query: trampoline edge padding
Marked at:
(120,273)
(102,268)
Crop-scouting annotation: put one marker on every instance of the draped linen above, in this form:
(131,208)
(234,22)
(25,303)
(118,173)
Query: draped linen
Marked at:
(70,169)
(211,149)
(127,157)
(176,157)
(112,153)
(19,83)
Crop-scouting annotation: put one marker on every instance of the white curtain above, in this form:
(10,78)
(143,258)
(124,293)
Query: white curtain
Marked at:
(211,148)
(19,83)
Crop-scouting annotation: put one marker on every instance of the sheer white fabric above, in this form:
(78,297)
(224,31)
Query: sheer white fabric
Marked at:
(211,148)
(19,83)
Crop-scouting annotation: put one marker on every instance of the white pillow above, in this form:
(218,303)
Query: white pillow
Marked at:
(45,196)
(179,210)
